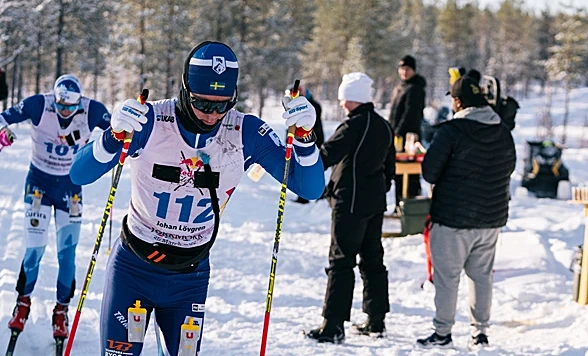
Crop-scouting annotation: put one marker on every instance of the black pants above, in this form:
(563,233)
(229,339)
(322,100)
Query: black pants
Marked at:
(414,186)
(350,236)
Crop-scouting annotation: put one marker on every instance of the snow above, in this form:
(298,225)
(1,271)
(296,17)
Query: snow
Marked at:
(533,313)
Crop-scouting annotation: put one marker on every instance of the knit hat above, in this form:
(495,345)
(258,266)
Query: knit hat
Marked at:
(356,87)
(213,70)
(408,61)
(474,74)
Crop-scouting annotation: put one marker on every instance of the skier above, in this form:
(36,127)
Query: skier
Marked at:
(62,123)
(187,157)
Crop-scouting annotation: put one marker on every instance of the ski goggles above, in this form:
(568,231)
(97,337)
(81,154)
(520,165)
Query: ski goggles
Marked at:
(209,106)
(68,107)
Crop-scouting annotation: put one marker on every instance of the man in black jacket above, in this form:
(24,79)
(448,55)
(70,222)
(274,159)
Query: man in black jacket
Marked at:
(361,152)
(406,115)
(470,162)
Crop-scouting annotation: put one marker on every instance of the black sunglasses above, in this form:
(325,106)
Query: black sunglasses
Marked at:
(208,106)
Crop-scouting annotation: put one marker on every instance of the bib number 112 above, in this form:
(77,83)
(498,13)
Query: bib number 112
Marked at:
(186,204)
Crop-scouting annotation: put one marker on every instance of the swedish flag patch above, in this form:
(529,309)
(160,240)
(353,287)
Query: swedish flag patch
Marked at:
(217,85)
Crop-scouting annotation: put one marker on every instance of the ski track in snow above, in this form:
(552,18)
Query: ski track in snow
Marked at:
(533,313)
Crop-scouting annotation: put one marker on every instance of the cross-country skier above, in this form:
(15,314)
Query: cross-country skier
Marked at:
(62,122)
(187,157)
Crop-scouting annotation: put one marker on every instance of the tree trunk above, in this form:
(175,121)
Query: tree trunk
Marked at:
(170,49)
(566,114)
(111,89)
(59,48)
(14,73)
(545,119)
(19,83)
(526,88)
(39,64)
(96,72)
(261,96)
(219,20)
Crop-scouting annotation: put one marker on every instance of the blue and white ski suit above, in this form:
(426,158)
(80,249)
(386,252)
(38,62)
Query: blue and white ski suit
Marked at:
(55,141)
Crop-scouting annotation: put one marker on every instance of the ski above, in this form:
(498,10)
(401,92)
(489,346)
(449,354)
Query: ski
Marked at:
(59,341)
(12,343)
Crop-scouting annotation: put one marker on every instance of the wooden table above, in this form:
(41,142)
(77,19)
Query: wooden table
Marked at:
(583,294)
(407,168)
(405,165)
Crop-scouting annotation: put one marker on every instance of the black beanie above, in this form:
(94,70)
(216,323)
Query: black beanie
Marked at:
(474,74)
(408,61)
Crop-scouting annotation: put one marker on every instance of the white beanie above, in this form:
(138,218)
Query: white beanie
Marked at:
(357,87)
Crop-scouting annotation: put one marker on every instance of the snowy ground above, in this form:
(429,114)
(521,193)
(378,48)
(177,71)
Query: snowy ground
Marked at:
(532,312)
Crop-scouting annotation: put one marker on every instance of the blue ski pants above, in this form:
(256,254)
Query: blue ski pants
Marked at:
(173,296)
(42,193)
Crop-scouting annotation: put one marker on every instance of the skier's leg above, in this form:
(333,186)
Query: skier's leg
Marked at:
(128,280)
(184,298)
(68,221)
(36,223)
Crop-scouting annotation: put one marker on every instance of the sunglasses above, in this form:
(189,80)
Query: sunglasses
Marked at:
(63,107)
(208,106)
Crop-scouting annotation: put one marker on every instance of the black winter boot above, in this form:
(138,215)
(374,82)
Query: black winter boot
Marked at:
(478,342)
(329,331)
(374,326)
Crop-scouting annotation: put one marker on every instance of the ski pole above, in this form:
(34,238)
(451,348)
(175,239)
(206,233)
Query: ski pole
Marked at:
(281,204)
(110,222)
(123,155)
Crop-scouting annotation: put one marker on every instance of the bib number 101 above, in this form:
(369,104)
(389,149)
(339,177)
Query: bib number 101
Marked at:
(61,150)
(186,204)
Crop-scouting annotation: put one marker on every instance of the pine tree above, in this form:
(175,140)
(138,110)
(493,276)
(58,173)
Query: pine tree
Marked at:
(566,64)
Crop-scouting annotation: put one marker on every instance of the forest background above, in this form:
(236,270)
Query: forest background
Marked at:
(119,46)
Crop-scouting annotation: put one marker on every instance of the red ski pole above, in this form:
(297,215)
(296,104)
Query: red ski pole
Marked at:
(270,290)
(121,161)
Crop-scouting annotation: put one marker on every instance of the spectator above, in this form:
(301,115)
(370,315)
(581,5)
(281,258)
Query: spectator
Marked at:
(470,162)
(505,106)
(361,152)
(406,115)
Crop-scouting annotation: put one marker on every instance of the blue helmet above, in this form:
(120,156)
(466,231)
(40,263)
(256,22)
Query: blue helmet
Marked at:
(67,89)
(68,95)
(212,70)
